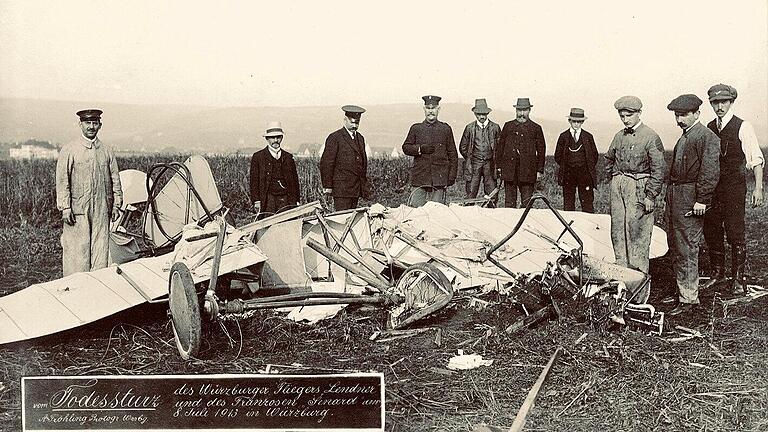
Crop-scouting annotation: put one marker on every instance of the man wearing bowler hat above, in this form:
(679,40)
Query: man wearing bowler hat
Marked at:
(344,164)
(435,159)
(576,155)
(520,155)
(274,182)
(692,178)
(477,145)
(738,150)
(89,194)
(635,162)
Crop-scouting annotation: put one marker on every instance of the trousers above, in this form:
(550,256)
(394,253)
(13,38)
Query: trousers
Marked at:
(586,198)
(725,219)
(683,236)
(421,194)
(344,203)
(510,193)
(480,170)
(85,245)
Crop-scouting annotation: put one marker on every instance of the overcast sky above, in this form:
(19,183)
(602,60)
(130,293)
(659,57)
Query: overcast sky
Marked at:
(558,53)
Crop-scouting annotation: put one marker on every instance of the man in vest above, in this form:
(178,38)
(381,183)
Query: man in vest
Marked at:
(692,180)
(88,193)
(635,163)
(435,159)
(274,182)
(738,149)
(477,145)
(344,163)
(576,156)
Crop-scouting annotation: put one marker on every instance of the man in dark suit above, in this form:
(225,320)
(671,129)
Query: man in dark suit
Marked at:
(576,155)
(520,155)
(477,145)
(274,182)
(435,159)
(344,164)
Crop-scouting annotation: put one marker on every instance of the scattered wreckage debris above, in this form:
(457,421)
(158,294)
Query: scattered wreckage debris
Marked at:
(411,262)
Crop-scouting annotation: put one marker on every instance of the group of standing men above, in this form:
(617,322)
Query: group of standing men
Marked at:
(706,184)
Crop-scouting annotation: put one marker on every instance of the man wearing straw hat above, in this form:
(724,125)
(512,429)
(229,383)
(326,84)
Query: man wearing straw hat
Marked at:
(435,159)
(88,193)
(576,155)
(274,182)
(520,155)
(344,163)
(477,145)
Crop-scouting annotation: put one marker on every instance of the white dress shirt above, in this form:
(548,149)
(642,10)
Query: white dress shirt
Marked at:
(749,145)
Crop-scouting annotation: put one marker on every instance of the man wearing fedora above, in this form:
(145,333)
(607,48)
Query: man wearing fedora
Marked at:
(576,156)
(520,155)
(435,159)
(739,149)
(274,182)
(89,194)
(477,146)
(635,162)
(692,178)
(344,164)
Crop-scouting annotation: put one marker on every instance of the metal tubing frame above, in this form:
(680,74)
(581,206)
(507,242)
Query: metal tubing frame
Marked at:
(534,198)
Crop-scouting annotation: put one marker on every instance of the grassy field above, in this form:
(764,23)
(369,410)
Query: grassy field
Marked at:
(619,381)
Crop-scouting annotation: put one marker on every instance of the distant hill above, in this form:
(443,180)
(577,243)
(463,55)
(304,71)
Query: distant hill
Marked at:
(201,129)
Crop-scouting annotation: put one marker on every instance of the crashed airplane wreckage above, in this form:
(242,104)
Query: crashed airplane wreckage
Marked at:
(410,261)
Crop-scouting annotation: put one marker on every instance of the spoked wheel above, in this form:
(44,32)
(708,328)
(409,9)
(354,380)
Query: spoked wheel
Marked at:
(185,311)
(425,289)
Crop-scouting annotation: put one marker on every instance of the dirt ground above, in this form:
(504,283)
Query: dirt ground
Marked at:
(619,381)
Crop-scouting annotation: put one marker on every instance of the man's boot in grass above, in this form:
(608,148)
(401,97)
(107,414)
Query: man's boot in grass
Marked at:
(717,267)
(739,257)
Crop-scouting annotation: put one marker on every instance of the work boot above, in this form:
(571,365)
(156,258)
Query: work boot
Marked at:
(738,257)
(717,267)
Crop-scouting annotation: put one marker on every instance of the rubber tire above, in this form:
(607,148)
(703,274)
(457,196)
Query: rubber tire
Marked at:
(185,311)
(436,277)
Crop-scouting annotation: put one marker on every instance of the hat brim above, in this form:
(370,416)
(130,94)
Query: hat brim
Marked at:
(721,97)
(577,118)
(272,134)
(523,106)
(482,111)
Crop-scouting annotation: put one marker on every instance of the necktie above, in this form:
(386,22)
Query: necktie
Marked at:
(719,125)
(575,137)
(628,131)
(354,135)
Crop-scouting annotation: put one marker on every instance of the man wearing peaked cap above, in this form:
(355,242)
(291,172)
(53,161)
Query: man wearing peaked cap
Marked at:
(435,159)
(635,163)
(692,178)
(477,146)
(520,155)
(89,194)
(576,156)
(274,181)
(739,149)
(344,162)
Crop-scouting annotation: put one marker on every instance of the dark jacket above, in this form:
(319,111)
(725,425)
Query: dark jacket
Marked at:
(586,139)
(520,153)
(344,164)
(260,176)
(436,169)
(467,144)
(696,159)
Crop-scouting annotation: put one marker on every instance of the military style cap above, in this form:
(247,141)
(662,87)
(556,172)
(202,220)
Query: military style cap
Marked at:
(431,100)
(629,103)
(89,114)
(353,111)
(685,103)
(721,92)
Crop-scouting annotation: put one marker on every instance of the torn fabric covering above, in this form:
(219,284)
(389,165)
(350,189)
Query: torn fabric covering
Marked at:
(194,254)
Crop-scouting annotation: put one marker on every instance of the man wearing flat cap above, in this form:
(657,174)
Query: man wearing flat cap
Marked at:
(344,163)
(739,149)
(477,146)
(89,194)
(635,162)
(435,159)
(520,155)
(576,155)
(692,179)
(274,182)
